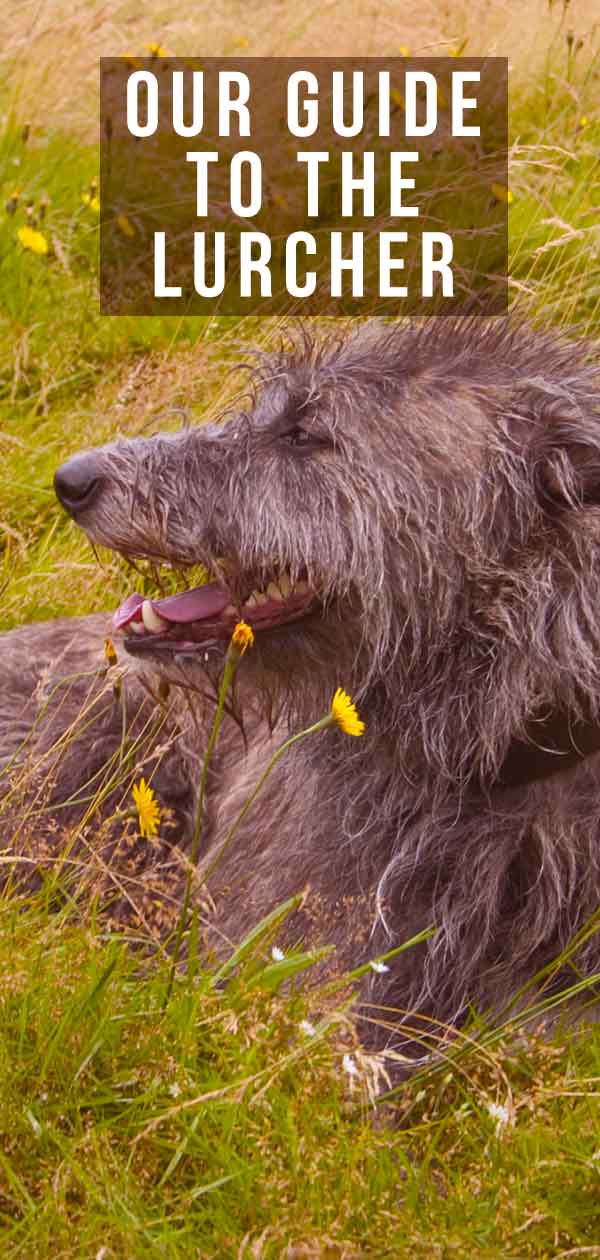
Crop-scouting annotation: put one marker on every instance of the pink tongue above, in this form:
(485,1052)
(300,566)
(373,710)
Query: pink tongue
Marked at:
(194,605)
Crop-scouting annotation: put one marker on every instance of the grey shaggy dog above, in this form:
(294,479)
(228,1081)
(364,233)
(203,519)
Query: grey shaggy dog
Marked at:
(426,500)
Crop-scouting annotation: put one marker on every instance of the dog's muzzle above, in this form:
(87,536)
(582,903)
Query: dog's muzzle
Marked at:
(78,482)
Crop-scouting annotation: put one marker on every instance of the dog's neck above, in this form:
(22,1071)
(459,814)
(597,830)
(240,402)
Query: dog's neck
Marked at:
(554,742)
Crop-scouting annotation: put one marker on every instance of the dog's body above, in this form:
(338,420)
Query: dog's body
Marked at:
(429,501)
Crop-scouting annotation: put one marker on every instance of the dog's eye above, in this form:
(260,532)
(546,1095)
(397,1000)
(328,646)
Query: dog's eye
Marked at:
(299,437)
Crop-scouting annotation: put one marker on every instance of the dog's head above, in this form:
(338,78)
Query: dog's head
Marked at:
(383,501)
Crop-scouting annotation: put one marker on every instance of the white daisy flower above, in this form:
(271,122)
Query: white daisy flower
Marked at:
(501,1114)
(277,954)
(307,1028)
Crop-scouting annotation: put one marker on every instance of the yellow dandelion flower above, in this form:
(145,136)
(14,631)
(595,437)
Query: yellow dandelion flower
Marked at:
(242,637)
(35,241)
(155,50)
(502,193)
(584,120)
(110,652)
(343,713)
(404,50)
(91,201)
(125,225)
(241,41)
(147,808)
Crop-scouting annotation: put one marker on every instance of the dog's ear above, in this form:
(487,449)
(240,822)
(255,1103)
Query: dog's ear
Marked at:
(567,457)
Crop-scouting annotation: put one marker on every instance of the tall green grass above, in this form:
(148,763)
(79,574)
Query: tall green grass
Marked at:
(230,1125)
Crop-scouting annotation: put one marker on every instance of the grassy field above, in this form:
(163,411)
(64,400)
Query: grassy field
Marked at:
(238,1121)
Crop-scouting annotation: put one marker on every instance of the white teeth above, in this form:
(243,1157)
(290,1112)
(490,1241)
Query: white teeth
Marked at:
(256,598)
(136,626)
(153,623)
(278,591)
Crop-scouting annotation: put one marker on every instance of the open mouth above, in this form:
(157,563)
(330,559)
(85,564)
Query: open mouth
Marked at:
(204,614)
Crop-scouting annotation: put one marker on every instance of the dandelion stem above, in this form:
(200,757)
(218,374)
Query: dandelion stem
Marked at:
(231,664)
(341,714)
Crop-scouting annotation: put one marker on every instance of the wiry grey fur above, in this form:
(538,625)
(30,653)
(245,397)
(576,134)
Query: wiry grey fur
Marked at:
(447,510)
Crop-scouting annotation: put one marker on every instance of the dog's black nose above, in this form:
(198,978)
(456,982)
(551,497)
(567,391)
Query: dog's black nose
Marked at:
(78,481)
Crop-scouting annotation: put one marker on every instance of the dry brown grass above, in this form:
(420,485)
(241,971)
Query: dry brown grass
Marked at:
(51,47)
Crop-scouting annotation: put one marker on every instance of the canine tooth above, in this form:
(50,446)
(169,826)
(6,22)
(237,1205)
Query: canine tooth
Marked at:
(273,592)
(136,626)
(252,600)
(151,619)
(285,586)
